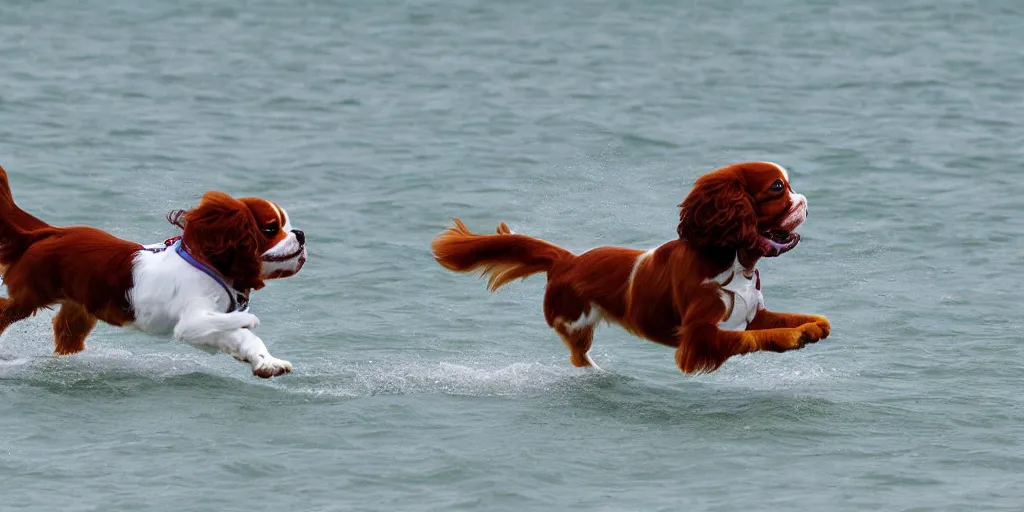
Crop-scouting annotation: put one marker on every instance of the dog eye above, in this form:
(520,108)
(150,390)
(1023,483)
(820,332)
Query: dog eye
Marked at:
(778,186)
(270,229)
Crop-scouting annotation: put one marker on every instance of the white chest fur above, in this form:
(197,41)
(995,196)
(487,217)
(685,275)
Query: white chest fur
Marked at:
(166,288)
(740,290)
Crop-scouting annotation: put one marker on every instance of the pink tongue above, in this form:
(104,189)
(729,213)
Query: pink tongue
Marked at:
(769,248)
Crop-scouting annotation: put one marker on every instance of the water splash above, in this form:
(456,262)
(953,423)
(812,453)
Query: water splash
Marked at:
(464,377)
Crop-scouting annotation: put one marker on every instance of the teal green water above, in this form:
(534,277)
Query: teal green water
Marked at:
(583,122)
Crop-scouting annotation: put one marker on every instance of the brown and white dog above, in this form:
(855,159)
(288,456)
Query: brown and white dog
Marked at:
(700,293)
(195,287)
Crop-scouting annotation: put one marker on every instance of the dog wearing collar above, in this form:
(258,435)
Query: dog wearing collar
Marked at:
(194,287)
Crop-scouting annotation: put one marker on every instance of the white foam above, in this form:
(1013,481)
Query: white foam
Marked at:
(474,378)
(772,372)
(11,365)
(25,353)
(98,363)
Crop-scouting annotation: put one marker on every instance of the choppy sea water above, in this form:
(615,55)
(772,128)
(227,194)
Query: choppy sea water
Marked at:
(582,122)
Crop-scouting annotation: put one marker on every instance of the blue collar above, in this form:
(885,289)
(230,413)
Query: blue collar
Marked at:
(239,300)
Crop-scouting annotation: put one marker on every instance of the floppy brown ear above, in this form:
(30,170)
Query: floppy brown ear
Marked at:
(718,213)
(222,232)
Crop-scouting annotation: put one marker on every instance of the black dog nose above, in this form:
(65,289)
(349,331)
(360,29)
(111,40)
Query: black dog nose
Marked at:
(300,236)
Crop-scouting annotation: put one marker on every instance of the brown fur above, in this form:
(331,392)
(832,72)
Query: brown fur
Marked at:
(71,325)
(44,265)
(222,233)
(667,300)
(505,258)
(89,271)
(722,215)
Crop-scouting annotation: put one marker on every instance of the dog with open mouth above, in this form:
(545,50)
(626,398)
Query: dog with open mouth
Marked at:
(699,294)
(195,286)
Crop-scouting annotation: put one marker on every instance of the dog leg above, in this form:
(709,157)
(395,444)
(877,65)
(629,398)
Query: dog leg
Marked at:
(198,324)
(769,320)
(71,326)
(12,311)
(578,341)
(704,348)
(574,319)
(240,342)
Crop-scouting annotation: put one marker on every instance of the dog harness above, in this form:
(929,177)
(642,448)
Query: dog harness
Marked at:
(238,301)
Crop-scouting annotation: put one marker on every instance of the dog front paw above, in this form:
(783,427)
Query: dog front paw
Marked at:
(813,332)
(269,366)
(791,339)
(824,325)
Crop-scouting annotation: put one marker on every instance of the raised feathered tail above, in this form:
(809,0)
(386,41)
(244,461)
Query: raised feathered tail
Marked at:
(502,257)
(18,229)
